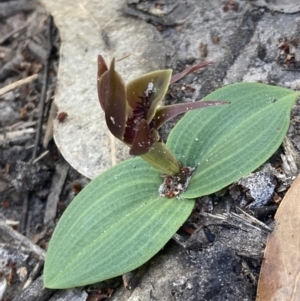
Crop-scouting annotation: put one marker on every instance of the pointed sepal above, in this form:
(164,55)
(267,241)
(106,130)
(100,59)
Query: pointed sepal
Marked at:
(102,68)
(142,139)
(165,113)
(112,98)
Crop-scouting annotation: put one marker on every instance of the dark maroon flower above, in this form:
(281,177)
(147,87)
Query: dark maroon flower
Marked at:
(133,112)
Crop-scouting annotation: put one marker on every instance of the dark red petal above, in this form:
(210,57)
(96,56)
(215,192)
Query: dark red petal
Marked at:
(189,70)
(112,96)
(165,113)
(102,68)
(142,140)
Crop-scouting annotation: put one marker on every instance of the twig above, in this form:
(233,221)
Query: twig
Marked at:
(33,274)
(238,217)
(11,235)
(58,181)
(39,52)
(13,135)
(17,84)
(20,125)
(35,292)
(290,69)
(123,57)
(152,19)
(179,239)
(29,215)
(45,153)
(74,294)
(44,89)
(11,34)
(263,225)
(49,128)
(9,67)
(22,227)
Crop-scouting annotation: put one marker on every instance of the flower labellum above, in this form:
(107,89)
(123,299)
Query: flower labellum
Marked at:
(133,112)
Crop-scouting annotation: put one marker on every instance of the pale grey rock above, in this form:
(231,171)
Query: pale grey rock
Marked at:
(260,186)
(285,6)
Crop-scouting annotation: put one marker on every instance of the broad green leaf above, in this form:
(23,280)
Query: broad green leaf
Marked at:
(228,142)
(113,226)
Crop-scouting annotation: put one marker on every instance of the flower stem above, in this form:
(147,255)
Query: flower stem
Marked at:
(161,158)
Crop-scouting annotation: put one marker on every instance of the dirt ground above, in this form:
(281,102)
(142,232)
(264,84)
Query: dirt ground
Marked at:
(34,173)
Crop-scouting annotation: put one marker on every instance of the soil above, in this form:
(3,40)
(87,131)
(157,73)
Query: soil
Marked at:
(34,176)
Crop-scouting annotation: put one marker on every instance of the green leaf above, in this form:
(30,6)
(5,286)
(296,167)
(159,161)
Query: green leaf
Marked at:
(114,225)
(118,221)
(228,142)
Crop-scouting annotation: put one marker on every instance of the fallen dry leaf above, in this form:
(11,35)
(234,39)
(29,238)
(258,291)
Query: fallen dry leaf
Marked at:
(89,28)
(280,273)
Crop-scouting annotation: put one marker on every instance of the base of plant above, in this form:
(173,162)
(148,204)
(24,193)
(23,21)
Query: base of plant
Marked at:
(172,186)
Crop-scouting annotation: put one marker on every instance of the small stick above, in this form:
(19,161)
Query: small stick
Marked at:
(44,89)
(8,67)
(17,84)
(8,233)
(33,274)
(258,222)
(49,128)
(58,180)
(16,134)
(45,153)
(290,69)
(11,34)
(123,57)
(36,292)
(24,213)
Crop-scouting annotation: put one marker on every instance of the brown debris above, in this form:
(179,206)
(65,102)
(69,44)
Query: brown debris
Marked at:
(289,53)
(25,183)
(203,50)
(231,5)
(172,186)
(61,116)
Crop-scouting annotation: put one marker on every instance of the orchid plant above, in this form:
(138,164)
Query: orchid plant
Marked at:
(128,213)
